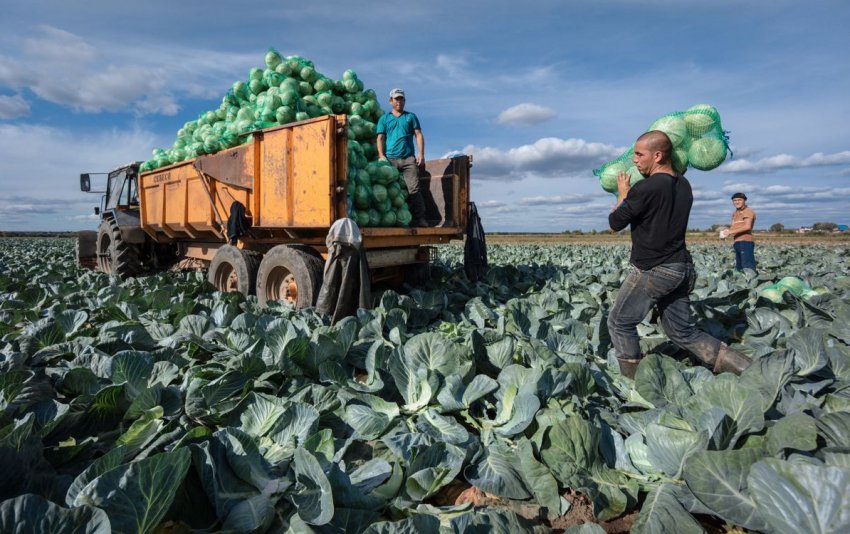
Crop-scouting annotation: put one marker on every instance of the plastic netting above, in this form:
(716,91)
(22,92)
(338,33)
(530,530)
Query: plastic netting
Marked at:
(699,141)
(290,89)
(791,284)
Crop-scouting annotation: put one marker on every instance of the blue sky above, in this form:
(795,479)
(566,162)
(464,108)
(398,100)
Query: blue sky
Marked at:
(539,92)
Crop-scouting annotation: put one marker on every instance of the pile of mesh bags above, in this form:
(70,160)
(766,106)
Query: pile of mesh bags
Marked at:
(290,89)
(698,138)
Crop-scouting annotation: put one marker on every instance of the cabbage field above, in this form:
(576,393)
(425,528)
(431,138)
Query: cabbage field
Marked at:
(158,405)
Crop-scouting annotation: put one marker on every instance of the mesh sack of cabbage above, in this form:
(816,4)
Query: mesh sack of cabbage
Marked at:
(378,196)
(289,89)
(793,285)
(698,138)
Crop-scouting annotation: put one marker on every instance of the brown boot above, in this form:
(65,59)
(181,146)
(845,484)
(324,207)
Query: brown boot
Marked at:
(628,366)
(730,361)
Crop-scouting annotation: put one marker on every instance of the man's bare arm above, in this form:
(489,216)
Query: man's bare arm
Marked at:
(420,145)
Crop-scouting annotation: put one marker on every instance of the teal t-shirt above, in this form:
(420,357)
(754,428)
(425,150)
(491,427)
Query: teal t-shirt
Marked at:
(399,132)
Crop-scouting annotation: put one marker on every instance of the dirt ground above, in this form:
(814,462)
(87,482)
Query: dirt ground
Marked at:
(581,511)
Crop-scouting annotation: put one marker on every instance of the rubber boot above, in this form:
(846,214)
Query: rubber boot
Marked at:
(730,361)
(417,210)
(628,366)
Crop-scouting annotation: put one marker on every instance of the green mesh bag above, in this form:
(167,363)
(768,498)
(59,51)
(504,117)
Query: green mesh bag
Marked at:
(793,285)
(286,89)
(698,138)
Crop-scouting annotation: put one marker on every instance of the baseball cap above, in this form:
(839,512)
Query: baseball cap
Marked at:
(396,92)
(739,195)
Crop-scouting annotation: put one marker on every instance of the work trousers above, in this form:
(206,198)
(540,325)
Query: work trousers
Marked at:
(410,173)
(745,255)
(666,287)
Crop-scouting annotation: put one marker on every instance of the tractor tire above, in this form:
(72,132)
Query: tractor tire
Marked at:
(290,273)
(114,255)
(234,269)
(86,249)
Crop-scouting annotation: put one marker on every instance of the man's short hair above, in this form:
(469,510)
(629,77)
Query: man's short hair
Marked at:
(658,142)
(739,195)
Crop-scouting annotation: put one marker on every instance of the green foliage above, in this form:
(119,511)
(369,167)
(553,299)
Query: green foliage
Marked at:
(125,405)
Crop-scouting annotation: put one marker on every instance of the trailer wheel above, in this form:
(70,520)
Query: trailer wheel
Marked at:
(114,255)
(290,273)
(234,269)
(86,249)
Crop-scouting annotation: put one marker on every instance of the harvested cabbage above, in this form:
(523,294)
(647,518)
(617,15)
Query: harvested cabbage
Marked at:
(674,127)
(707,153)
(608,178)
(698,141)
(794,285)
(289,89)
(700,119)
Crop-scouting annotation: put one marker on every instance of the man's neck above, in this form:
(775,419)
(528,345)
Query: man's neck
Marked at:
(663,169)
(398,113)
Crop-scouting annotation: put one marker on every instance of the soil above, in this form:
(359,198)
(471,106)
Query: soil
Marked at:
(581,511)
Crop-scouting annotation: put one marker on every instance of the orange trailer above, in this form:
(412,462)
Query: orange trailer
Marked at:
(292,182)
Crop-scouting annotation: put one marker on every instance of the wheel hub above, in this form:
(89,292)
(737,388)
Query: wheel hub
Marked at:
(226,279)
(282,285)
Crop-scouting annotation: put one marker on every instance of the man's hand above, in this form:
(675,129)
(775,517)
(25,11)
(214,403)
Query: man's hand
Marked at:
(724,233)
(623,186)
(420,161)
(382,158)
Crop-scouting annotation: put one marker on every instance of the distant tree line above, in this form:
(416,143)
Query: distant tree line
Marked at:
(824,226)
(776,228)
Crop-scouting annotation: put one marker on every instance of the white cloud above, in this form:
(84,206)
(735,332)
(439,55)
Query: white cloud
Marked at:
(786,192)
(56,47)
(526,114)
(490,204)
(555,200)
(549,157)
(453,65)
(781,162)
(92,77)
(12,107)
(734,187)
(40,166)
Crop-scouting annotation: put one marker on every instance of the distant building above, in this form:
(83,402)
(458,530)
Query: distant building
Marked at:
(842,228)
(804,230)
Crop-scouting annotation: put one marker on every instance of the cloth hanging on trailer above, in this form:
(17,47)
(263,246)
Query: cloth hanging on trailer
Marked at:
(237,224)
(346,283)
(475,247)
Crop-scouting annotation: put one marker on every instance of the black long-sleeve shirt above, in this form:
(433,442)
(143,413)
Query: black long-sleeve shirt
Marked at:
(657,208)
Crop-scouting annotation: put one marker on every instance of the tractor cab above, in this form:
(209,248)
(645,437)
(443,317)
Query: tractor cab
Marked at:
(121,189)
(120,246)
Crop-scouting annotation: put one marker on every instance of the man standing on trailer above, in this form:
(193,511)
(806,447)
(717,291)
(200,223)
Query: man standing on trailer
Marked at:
(662,273)
(396,131)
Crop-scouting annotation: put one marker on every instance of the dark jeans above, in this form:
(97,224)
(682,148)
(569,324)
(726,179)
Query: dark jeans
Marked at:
(665,287)
(745,255)
(410,172)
